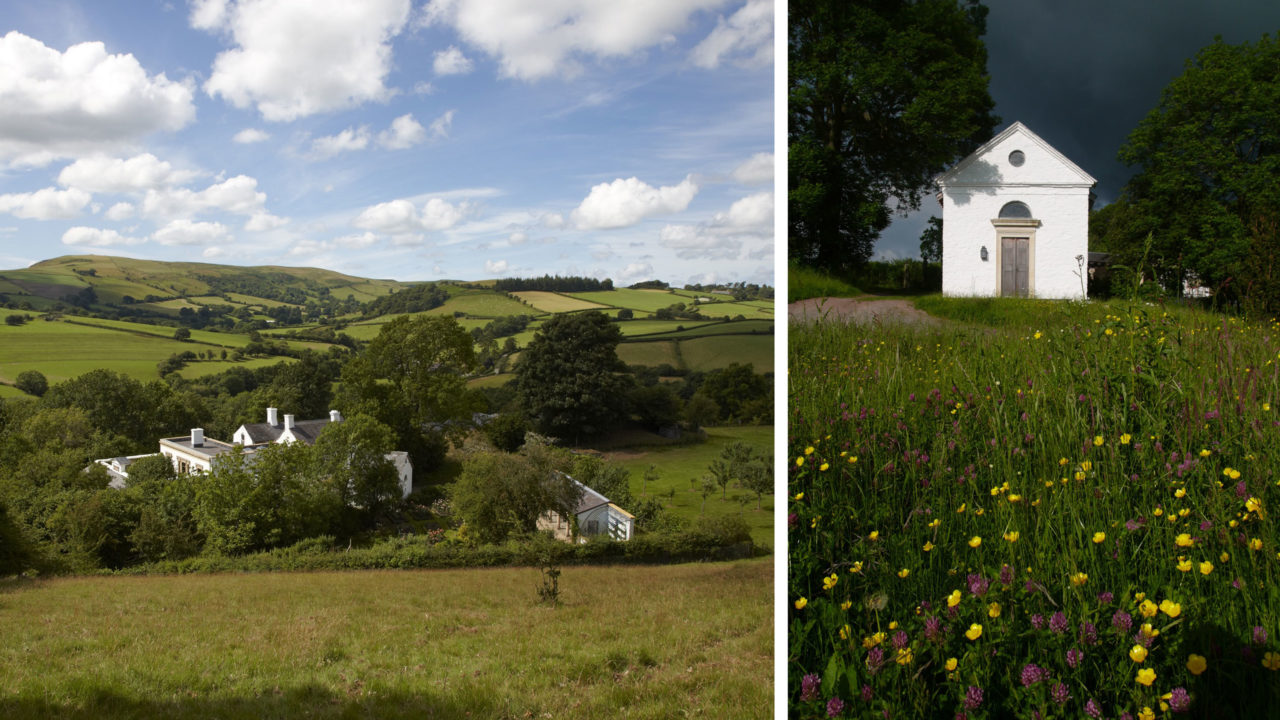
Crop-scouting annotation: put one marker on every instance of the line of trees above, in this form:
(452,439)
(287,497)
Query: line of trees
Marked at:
(553,283)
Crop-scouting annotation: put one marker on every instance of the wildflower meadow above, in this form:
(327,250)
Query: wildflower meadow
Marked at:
(1035,510)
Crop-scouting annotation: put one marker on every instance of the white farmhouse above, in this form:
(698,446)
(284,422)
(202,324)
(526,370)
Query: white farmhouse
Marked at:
(1015,220)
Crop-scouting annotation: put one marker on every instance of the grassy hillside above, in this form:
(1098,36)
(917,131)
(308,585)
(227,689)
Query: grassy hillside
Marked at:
(636,642)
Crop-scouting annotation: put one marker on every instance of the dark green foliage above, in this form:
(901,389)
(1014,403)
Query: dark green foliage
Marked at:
(15,551)
(416,298)
(506,432)
(410,378)
(31,382)
(166,528)
(931,241)
(350,458)
(883,95)
(610,480)
(569,379)
(657,406)
(741,394)
(626,314)
(15,319)
(1207,158)
(501,494)
(119,405)
(549,283)
(501,327)
(182,334)
(649,285)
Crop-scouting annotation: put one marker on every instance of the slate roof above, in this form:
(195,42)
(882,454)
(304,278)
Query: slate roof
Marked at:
(304,430)
(590,499)
(210,449)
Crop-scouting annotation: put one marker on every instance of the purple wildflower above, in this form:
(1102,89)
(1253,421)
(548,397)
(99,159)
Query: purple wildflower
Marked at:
(1074,657)
(1060,693)
(961,716)
(1126,715)
(932,627)
(834,707)
(1259,635)
(1089,633)
(973,697)
(900,640)
(1032,674)
(791,520)
(1179,700)
(1006,575)
(1237,584)
(1130,525)
(1037,621)
(978,585)
(867,693)
(875,658)
(1122,621)
(1142,639)
(1205,525)
(1106,597)
(809,687)
(1241,489)
(1058,623)
(1092,709)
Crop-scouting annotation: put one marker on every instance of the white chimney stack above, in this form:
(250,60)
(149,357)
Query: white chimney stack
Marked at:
(335,416)
(272,417)
(288,422)
(197,437)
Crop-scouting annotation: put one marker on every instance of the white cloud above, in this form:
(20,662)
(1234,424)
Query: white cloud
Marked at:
(115,175)
(237,195)
(440,126)
(745,230)
(404,132)
(186,232)
(96,237)
(214,251)
(753,211)
(346,141)
(55,104)
(451,62)
(634,273)
(537,40)
(422,87)
(250,135)
(264,221)
(120,211)
(627,202)
(517,238)
(402,217)
(340,61)
(356,242)
(755,170)
(746,38)
(46,204)
(495,267)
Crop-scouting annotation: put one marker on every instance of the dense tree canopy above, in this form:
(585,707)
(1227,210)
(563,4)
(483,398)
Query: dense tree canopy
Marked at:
(500,494)
(883,95)
(569,380)
(1208,156)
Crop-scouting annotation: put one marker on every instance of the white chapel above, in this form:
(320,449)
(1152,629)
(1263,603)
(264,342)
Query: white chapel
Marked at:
(1015,220)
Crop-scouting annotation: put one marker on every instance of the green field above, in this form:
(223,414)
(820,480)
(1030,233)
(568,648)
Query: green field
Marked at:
(741,327)
(647,301)
(652,354)
(681,466)
(484,304)
(555,302)
(655,327)
(713,353)
(62,351)
(628,641)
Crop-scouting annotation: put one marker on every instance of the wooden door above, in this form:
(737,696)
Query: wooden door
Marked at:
(1015,255)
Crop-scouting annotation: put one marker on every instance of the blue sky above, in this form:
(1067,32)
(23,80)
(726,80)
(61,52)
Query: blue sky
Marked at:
(414,140)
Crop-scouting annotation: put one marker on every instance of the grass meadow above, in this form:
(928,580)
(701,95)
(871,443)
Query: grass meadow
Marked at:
(1035,510)
(680,467)
(635,642)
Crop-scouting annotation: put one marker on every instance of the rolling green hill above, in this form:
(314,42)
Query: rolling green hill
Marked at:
(88,311)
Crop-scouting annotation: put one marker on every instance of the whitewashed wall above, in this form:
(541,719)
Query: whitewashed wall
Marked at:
(972,196)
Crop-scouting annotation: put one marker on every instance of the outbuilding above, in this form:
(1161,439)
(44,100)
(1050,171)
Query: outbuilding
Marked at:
(1015,221)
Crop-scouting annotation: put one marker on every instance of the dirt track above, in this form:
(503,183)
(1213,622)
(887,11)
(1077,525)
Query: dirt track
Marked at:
(858,311)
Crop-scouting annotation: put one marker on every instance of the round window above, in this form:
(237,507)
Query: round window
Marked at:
(1016,158)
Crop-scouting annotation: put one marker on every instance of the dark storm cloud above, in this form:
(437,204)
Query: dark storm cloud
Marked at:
(1082,75)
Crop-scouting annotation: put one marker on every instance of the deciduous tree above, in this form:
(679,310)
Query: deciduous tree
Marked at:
(883,94)
(569,379)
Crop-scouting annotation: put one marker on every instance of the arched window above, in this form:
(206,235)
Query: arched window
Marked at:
(1015,209)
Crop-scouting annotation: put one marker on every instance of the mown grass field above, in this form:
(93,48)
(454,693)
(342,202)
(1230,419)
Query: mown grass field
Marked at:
(555,302)
(62,350)
(647,301)
(680,469)
(636,642)
(1053,508)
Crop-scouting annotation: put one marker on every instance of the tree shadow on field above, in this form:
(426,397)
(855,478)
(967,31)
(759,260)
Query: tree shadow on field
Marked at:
(1234,683)
(306,701)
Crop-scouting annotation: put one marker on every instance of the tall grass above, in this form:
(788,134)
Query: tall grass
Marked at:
(1075,459)
(805,282)
(690,640)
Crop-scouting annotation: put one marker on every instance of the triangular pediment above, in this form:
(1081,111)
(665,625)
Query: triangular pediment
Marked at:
(994,164)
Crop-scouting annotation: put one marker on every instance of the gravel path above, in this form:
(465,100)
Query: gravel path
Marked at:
(858,311)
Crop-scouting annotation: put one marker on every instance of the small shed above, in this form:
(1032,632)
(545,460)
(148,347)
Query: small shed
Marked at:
(1015,220)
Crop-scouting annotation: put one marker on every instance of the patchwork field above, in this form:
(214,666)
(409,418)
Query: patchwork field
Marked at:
(555,302)
(1035,507)
(637,642)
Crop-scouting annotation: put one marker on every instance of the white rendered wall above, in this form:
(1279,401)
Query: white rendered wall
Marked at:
(972,198)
